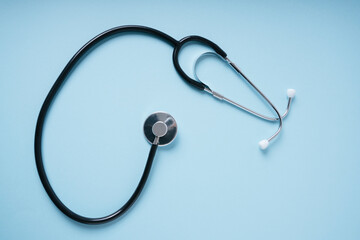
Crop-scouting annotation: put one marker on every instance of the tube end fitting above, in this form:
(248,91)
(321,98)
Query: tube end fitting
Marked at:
(263,144)
(291,93)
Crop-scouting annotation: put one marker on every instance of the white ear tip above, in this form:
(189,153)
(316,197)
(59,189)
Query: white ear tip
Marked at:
(291,93)
(263,144)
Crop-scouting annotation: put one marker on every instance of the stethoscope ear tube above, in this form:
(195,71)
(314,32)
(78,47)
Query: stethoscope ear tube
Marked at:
(263,144)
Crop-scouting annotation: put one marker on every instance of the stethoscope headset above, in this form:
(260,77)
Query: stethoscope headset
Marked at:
(160,128)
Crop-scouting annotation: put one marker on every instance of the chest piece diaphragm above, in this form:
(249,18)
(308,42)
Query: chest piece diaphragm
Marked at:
(160,128)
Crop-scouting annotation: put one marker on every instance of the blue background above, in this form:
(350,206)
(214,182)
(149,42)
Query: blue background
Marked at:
(213,182)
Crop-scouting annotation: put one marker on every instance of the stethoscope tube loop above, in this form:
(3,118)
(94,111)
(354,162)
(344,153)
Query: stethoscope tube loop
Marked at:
(197,84)
(50,98)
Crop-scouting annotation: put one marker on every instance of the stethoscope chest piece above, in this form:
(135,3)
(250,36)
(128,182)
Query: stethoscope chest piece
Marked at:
(160,128)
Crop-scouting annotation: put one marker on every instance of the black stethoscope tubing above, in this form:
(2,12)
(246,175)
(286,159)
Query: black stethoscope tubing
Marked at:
(56,88)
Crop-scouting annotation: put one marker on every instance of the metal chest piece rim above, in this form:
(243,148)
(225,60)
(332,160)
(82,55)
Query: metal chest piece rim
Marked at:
(160,128)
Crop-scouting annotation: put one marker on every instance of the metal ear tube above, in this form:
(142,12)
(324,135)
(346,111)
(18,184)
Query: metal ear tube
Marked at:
(263,144)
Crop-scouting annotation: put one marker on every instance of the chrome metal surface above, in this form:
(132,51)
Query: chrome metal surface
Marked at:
(160,128)
(252,112)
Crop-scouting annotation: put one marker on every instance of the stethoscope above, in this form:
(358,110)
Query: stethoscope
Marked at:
(160,128)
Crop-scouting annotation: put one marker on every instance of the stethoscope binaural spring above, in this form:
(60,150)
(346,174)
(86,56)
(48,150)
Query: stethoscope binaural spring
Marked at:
(160,128)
